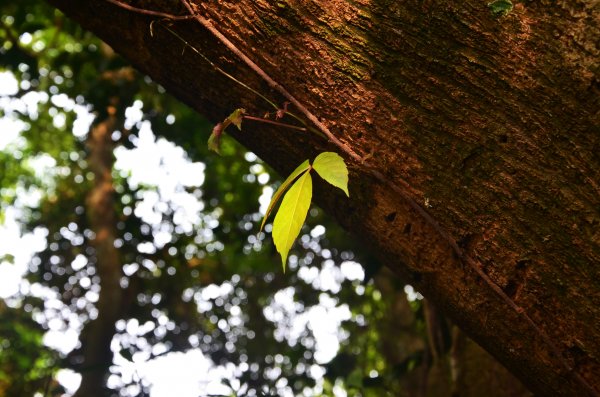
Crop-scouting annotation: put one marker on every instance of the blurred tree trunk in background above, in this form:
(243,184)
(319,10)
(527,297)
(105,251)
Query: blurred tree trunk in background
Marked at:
(433,358)
(481,120)
(95,355)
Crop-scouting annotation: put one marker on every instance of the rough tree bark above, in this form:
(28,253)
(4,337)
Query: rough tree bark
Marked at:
(480,135)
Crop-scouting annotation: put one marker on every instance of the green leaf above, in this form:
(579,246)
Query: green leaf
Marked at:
(214,140)
(235,118)
(331,167)
(291,215)
(284,186)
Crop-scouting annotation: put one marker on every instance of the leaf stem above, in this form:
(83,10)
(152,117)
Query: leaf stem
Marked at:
(267,121)
(150,12)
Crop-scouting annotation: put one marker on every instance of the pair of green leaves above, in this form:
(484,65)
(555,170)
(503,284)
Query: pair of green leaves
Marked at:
(295,204)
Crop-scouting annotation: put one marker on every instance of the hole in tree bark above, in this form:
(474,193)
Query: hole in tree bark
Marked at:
(511,288)
(522,264)
(576,354)
(391,216)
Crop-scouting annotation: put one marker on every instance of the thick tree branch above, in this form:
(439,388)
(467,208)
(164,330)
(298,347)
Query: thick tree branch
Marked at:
(463,111)
(465,258)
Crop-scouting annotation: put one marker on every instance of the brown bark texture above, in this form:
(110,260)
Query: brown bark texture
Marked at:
(480,139)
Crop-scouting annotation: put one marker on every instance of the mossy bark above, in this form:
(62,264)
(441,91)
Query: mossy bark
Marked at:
(491,123)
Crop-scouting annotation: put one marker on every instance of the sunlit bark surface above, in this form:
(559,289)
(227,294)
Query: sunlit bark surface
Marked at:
(489,123)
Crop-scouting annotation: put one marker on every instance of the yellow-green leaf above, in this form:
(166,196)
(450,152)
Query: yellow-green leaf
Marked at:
(331,167)
(284,186)
(214,140)
(291,215)
(236,117)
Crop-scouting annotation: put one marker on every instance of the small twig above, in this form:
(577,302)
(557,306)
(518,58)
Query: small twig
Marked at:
(279,112)
(262,120)
(247,87)
(150,12)
(272,83)
(217,68)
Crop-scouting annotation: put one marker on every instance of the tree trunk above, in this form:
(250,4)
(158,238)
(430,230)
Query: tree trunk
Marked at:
(479,135)
(96,355)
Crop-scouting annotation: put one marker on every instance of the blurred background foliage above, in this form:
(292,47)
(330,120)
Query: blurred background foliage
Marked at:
(191,269)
